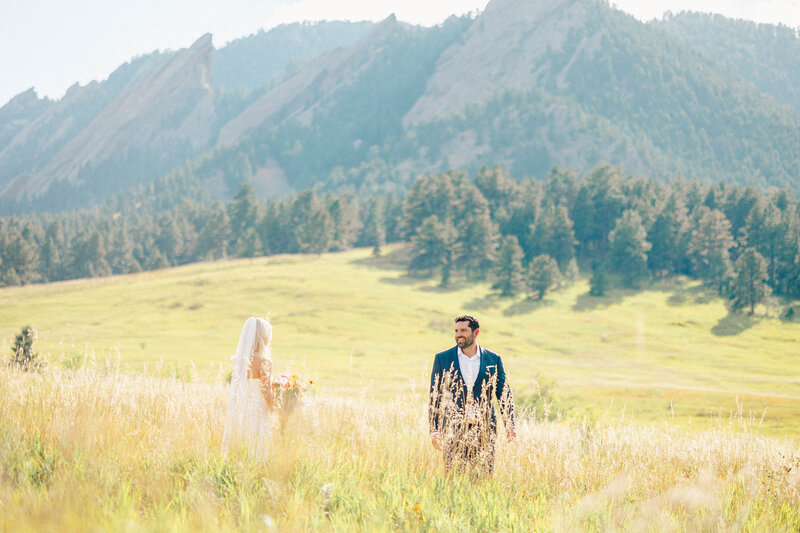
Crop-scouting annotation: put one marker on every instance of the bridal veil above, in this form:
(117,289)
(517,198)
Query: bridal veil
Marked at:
(247,418)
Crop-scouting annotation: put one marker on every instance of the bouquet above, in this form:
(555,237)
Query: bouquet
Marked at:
(288,390)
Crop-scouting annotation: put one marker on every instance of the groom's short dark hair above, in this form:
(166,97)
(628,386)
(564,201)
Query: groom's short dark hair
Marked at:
(473,322)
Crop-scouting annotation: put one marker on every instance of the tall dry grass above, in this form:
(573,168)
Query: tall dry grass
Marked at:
(97,449)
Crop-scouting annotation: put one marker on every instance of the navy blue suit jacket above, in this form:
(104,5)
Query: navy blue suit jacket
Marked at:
(448,391)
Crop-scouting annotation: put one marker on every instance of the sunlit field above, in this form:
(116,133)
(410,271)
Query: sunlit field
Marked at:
(670,354)
(104,450)
(640,411)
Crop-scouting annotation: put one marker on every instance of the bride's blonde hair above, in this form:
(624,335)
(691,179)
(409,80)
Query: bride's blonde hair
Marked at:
(263,335)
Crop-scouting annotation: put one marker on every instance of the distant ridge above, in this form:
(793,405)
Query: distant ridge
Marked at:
(369,107)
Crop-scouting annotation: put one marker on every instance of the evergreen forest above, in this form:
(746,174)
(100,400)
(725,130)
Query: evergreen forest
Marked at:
(525,236)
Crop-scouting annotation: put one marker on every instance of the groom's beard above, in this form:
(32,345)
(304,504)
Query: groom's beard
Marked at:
(465,342)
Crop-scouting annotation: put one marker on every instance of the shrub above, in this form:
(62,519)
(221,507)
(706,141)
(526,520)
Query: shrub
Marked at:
(22,352)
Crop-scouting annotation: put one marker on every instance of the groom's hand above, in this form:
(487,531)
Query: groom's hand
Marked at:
(436,439)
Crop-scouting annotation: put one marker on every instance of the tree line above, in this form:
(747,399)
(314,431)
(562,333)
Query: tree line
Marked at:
(525,236)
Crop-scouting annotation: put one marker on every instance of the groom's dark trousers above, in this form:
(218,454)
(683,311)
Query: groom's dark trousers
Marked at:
(466,419)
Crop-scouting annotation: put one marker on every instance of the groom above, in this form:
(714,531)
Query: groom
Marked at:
(464,383)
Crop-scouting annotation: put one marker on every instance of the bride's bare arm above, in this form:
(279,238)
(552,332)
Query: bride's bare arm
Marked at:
(266,383)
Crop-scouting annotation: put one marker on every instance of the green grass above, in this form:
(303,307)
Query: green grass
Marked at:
(93,450)
(671,353)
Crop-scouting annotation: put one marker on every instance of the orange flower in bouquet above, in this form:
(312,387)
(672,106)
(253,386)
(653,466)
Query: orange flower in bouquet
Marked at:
(288,391)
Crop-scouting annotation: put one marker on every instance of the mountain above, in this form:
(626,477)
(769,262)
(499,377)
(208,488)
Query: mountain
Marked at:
(562,83)
(150,116)
(766,55)
(671,110)
(18,113)
(371,107)
(250,63)
(332,112)
(59,141)
(161,117)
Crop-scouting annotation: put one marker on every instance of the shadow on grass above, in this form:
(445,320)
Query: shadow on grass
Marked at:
(733,324)
(403,279)
(698,294)
(454,285)
(395,259)
(526,306)
(589,302)
(482,303)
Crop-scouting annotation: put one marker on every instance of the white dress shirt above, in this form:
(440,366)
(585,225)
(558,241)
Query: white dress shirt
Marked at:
(470,366)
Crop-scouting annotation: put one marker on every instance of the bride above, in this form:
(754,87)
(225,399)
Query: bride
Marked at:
(250,399)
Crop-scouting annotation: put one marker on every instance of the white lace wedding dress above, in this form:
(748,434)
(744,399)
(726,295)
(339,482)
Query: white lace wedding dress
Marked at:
(253,430)
(247,422)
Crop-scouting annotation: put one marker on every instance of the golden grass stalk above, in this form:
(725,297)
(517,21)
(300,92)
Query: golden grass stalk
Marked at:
(99,449)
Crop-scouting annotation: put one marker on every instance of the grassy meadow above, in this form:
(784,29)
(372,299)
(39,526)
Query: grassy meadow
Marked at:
(672,353)
(102,450)
(655,410)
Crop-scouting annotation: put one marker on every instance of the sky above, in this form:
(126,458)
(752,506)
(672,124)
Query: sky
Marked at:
(52,44)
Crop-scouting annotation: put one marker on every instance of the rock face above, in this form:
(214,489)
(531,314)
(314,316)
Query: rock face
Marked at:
(163,100)
(298,96)
(18,113)
(504,48)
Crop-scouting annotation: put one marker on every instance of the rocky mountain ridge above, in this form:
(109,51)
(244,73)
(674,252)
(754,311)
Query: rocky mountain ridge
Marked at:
(565,83)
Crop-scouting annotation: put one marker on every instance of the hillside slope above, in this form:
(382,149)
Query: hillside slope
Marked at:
(673,348)
(766,55)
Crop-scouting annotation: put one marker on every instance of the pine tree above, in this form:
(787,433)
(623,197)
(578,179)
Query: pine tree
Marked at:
(121,253)
(372,229)
(583,220)
(169,241)
(23,354)
(764,231)
(52,264)
(561,245)
(315,235)
(628,248)
(212,243)
(393,217)
(561,187)
(508,273)
(242,213)
(669,236)
(248,244)
(344,211)
(572,273)
(543,274)
(49,261)
(597,207)
(505,198)
(274,238)
(787,270)
(478,235)
(749,285)
(598,283)
(739,204)
(435,195)
(20,259)
(539,232)
(308,225)
(434,246)
(88,256)
(710,245)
